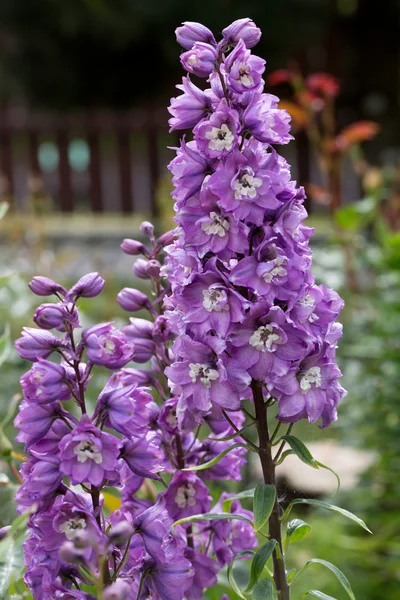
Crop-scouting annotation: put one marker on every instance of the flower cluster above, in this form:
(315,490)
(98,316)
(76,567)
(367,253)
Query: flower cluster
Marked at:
(126,439)
(244,303)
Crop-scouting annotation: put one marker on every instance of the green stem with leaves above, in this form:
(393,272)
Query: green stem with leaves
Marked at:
(268,468)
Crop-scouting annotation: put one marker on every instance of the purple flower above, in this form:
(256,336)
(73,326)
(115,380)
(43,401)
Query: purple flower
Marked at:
(205,573)
(208,303)
(186,495)
(107,346)
(188,108)
(153,525)
(217,136)
(56,316)
(228,468)
(35,420)
(45,382)
(119,590)
(167,418)
(171,578)
(231,537)
(244,29)
(162,330)
(133,247)
(266,121)
(143,457)
(204,375)
(88,286)
(310,390)
(244,70)
(189,169)
(35,344)
(42,478)
(190,33)
(123,406)
(200,60)
(89,455)
(43,286)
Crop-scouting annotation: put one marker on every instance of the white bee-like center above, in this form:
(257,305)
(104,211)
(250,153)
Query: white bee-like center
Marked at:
(264,339)
(186,496)
(221,138)
(244,75)
(72,526)
(311,377)
(277,270)
(214,299)
(308,300)
(246,185)
(218,226)
(87,450)
(204,373)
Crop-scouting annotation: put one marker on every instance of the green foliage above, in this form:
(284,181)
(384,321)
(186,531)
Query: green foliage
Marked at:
(264,500)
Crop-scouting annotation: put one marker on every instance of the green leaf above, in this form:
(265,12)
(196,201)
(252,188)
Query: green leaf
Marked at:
(283,456)
(264,500)
(5,279)
(303,453)
(212,517)
(264,590)
(231,575)
(232,436)
(297,530)
(5,346)
(318,594)
(215,460)
(341,577)
(258,563)
(326,506)
(300,450)
(246,494)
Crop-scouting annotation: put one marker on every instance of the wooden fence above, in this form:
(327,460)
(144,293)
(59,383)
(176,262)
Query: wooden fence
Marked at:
(124,179)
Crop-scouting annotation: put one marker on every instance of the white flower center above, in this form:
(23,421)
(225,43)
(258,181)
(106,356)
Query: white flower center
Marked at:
(313,317)
(264,339)
(221,138)
(246,185)
(218,226)
(204,372)
(244,75)
(277,270)
(192,60)
(308,300)
(87,450)
(214,299)
(311,376)
(171,419)
(108,345)
(186,496)
(70,527)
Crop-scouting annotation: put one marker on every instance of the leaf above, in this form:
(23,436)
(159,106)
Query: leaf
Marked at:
(111,502)
(337,572)
(11,563)
(283,456)
(5,278)
(303,453)
(264,500)
(258,563)
(232,436)
(264,590)
(5,346)
(326,506)
(297,530)
(215,460)
(230,573)
(318,594)
(212,517)
(246,494)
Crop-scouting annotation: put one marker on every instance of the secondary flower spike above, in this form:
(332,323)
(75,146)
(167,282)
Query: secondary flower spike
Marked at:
(244,302)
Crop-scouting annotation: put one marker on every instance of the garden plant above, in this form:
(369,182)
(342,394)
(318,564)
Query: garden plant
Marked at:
(238,344)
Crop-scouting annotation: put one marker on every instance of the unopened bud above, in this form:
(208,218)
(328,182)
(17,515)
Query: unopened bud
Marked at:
(139,268)
(191,32)
(132,300)
(133,247)
(120,533)
(43,286)
(244,29)
(153,268)
(88,286)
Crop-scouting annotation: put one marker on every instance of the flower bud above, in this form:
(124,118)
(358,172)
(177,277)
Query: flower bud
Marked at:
(82,540)
(244,29)
(119,590)
(153,268)
(162,330)
(148,229)
(200,59)
(4,531)
(140,268)
(132,300)
(191,32)
(166,238)
(54,316)
(70,554)
(120,533)
(133,247)
(43,286)
(88,286)
(36,343)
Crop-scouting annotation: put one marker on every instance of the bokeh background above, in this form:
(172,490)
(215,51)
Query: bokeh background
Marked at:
(84,141)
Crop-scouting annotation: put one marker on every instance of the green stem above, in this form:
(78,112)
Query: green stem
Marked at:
(268,469)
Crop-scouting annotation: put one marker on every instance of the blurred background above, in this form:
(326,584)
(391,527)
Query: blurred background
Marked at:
(84,141)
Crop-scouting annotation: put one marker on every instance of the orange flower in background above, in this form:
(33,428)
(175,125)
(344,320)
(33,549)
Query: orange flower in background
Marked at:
(357,132)
(323,84)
